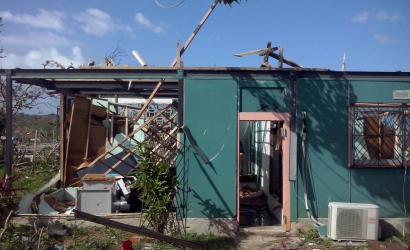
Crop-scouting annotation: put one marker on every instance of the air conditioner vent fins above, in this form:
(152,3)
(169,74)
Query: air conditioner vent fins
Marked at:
(353,221)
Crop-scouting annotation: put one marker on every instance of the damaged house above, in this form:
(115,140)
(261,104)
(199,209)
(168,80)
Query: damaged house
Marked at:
(252,146)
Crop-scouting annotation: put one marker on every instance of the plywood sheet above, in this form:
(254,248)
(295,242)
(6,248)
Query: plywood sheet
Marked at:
(76,138)
(97,140)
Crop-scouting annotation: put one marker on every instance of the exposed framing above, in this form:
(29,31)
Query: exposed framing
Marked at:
(271,116)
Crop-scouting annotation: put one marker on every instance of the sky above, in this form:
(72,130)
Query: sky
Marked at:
(374,34)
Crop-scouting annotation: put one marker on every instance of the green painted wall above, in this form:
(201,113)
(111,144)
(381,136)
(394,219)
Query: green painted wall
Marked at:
(383,187)
(263,95)
(210,112)
(211,107)
(329,178)
(325,102)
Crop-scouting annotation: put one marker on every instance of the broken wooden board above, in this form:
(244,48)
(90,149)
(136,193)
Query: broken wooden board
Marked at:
(76,138)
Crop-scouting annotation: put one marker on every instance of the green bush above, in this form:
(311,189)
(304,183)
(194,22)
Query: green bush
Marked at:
(157,183)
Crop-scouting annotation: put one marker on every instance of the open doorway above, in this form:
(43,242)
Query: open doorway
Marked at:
(263,168)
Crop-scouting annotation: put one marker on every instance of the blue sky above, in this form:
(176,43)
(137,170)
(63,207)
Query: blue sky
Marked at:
(374,34)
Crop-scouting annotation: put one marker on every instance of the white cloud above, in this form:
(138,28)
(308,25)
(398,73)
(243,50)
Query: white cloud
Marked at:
(35,40)
(97,22)
(43,19)
(36,57)
(361,18)
(384,39)
(147,24)
(384,16)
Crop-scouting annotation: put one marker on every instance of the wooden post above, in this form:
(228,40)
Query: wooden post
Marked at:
(126,120)
(88,131)
(62,138)
(8,159)
(111,126)
(280,61)
(35,146)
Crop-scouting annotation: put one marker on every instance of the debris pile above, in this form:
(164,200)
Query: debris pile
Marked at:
(100,144)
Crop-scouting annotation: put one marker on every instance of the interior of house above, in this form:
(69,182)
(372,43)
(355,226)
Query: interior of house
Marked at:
(260,173)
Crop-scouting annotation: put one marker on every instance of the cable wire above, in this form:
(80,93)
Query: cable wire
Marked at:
(303,174)
(159,4)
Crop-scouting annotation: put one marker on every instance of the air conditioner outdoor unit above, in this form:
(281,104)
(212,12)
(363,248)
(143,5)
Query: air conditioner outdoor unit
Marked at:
(353,221)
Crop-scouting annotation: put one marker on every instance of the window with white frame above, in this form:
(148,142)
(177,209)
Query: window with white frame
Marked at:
(379,135)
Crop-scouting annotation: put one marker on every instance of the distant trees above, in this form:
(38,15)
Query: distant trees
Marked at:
(24,96)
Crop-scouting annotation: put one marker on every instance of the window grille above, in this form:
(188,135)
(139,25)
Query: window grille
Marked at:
(379,135)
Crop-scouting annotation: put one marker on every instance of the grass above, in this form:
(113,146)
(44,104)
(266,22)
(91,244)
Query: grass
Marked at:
(25,180)
(103,238)
(309,234)
(406,238)
(96,238)
(208,241)
(312,235)
(211,241)
(90,238)
(24,237)
(31,178)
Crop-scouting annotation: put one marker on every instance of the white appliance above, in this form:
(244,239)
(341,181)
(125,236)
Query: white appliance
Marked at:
(353,221)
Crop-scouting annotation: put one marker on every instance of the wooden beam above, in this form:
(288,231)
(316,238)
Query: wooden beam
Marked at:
(138,230)
(197,29)
(148,102)
(284,60)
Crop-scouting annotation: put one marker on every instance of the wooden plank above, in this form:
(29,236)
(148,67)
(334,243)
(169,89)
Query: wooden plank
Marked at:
(96,144)
(138,230)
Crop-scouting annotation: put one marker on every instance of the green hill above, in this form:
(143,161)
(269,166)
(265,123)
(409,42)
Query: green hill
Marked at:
(25,126)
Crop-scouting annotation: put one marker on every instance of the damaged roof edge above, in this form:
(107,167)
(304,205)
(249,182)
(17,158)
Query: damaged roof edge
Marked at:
(43,77)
